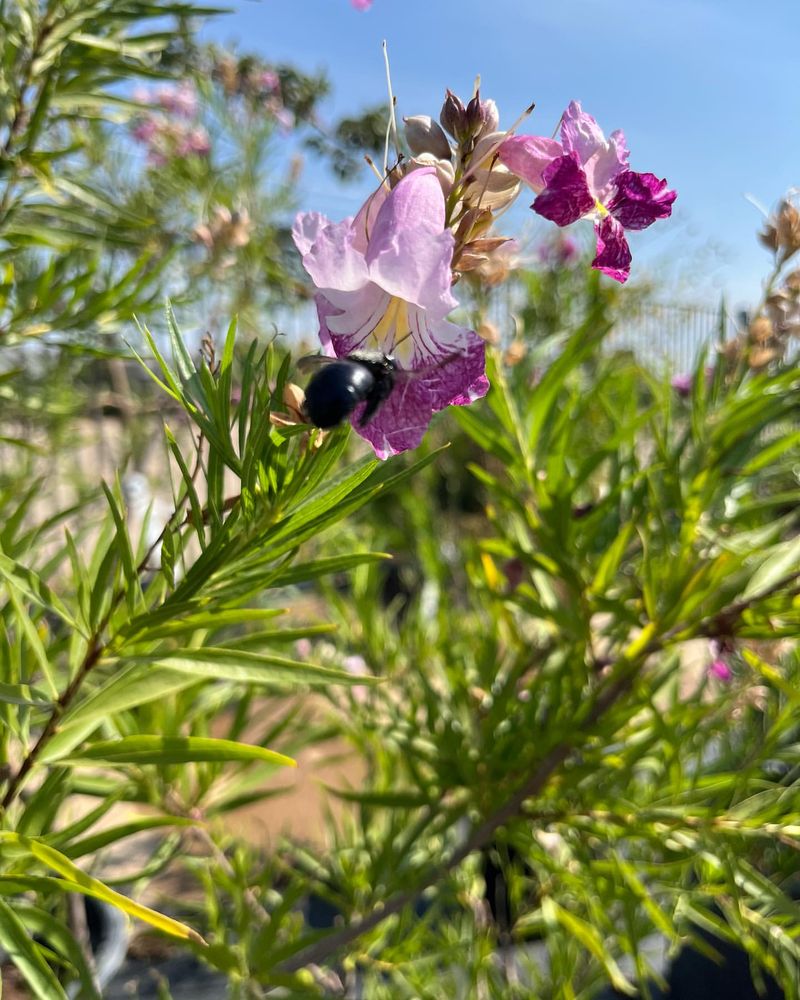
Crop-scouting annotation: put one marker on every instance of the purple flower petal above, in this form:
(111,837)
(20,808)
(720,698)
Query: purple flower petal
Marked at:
(580,133)
(721,670)
(640,199)
(605,165)
(364,222)
(445,380)
(528,156)
(602,159)
(348,321)
(682,384)
(410,252)
(613,253)
(566,196)
(328,253)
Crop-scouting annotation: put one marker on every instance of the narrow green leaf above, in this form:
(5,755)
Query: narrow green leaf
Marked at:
(325,567)
(28,583)
(89,845)
(137,684)
(44,924)
(174,750)
(24,694)
(238,666)
(79,881)
(180,355)
(177,623)
(783,561)
(385,800)
(123,544)
(27,957)
(590,938)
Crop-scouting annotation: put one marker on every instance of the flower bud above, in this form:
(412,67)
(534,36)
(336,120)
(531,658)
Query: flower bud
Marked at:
(424,135)
(492,185)
(453,116)
(788,227)
(792,281)
(482,117)
(760,357)
(491,118)
(760,330)
(515,353)
(781,232)
(503,258)
(768,236)
(488,331)
(783,310)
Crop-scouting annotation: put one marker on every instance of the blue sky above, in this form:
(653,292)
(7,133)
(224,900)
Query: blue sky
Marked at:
(705,90)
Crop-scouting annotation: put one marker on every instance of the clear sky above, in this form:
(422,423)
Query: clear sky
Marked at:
(706,92)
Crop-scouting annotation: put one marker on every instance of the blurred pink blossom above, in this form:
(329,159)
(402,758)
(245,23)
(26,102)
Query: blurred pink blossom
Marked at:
(560,252)
(682,384)
(269,80)
(720,651)
(361,4)
(357,666)
(180,100)
(145,130)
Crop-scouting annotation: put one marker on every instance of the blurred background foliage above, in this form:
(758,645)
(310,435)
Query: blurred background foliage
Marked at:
(558,642)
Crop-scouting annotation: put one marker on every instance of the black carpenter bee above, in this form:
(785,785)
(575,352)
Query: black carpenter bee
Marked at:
(339,385)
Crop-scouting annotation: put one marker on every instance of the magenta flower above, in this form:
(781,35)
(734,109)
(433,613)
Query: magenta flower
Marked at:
(682,384)
(587,175)
(361,4)
(720,651)
(384,283)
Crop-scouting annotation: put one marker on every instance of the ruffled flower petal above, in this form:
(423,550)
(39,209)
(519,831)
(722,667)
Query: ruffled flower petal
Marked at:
(364,222)
(566,197)
(580,133)
(613,253)
(528,156)
(605,165)
(329,256)
(447,370)
(349,321)
(410,252)
(640,199)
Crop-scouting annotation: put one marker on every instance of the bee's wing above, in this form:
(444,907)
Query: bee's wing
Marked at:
(313,362)
(408,374)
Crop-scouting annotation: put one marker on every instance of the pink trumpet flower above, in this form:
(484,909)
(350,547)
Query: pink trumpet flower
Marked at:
(383,283)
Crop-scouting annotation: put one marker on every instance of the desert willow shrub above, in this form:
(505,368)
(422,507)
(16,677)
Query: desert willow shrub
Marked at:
(553,757)
(521,705)
(576,695)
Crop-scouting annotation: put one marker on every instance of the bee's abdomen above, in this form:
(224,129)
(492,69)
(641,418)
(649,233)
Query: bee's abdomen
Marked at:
(335,391)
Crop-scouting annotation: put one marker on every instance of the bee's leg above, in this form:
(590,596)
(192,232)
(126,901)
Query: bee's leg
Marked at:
(379,394)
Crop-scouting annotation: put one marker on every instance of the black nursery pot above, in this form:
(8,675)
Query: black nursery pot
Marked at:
(108,936)
(693,976)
